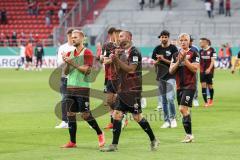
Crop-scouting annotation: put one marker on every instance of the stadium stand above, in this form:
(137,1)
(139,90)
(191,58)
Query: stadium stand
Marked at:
(19,20)
(186,16)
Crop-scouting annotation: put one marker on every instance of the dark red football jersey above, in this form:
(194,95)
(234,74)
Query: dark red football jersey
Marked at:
(205,59)
(132,82)
(186,79)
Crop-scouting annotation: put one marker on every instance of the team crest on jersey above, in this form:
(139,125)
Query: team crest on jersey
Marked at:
(168,53)
(135,58)
(135,105)
(86,104)
(208,52)
(197,59)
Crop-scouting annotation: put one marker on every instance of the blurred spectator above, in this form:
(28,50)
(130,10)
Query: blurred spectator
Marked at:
(208,8)
(39,53)
(36,37)
(29,56)
(48,19)
(47,3)
(151,3)
(51,8)
(60,15)
(221,53)
(55,2)
(2,38)
(30,6)
(169,2)
(35,8)
(50,40)
(161,2)
(7,39)
(14,38)
(4,16)
(22,57)
(31,39)
(22,38)
(64,6)
(212,7)
(228,8)
(229,54)
(141,3)
(221,6)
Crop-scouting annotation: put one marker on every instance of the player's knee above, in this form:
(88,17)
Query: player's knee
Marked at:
(71,116)
(137,117)
(210,86)
(183,110)
(111,99)
(204,85)
(117,115)
(86,116)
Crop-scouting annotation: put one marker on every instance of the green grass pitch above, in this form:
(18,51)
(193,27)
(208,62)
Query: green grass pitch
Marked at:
(27,123)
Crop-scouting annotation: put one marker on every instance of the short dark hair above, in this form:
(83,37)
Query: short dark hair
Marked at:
(112,30)
(206,39)
(164,33)
(69,31)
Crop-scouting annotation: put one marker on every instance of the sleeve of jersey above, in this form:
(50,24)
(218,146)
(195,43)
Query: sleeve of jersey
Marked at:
(174,58)
(154,57)
(195,58)
(88,58)
(134,58)
(214,54)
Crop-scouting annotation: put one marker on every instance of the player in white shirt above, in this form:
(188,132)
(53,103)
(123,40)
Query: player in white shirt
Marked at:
(21,58)
(66,47)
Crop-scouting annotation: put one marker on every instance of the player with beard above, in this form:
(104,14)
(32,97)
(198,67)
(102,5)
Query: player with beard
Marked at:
(78,68)
(107,49)
(207,58)
(162,55)
(111,73)
(129,93)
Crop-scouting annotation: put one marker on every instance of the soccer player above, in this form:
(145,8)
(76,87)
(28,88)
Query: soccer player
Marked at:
(22,57)
(78,68)
(107,49)
(236,63)
(207,58)
(39,53)
(162,55)
(65,48)
(184,65)
(29,56)
(129,93)
(113,81)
